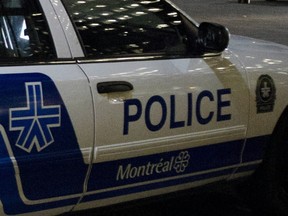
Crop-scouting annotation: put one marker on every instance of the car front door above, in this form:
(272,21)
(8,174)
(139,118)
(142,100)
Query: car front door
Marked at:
(46,118)
(164,114)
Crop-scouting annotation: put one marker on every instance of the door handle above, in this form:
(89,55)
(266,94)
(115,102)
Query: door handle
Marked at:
(114,86)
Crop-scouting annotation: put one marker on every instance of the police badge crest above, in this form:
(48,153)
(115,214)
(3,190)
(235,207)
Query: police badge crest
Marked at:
(265,94)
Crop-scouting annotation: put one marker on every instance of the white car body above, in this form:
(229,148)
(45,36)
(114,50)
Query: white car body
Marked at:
(186,123)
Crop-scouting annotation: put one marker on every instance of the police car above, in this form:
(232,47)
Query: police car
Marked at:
(104,102)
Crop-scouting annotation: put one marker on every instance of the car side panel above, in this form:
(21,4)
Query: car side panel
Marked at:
(266,66)
(182,124)
(46,136)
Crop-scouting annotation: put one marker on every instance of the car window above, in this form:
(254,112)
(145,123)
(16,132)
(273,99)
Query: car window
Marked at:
(23,31)
(125,27)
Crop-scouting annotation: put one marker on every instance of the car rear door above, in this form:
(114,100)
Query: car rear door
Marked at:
(46,117)
(163,115)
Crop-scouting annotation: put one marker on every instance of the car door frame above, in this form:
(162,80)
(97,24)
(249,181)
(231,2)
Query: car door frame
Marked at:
(102,154)
(54,72)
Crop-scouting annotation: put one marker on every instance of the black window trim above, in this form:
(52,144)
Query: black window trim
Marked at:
(29,60)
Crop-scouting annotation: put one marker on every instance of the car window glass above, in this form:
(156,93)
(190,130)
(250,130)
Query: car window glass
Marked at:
(23,31)
(126,27)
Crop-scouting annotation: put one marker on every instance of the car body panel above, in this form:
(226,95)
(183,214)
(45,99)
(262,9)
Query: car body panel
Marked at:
(262,57)
(163,87)
(188,121)
(60,41)
(54,141)
(66,29)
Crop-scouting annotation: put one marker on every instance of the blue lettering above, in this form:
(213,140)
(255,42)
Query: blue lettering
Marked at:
(173,123)
(129,117)
(190,109)
(221,104)
(149,124)
(155,121)
(202,120)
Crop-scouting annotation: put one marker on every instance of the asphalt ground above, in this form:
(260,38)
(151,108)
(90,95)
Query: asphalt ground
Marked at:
(259,19)
(223,200)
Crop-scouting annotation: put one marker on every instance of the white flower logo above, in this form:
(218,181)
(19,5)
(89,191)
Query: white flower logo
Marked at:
(182,162)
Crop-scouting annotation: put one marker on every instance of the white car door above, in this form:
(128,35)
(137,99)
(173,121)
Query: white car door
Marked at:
(46,118)
(164,115)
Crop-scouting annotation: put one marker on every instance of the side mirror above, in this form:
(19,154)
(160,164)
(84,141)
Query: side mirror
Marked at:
(212,38)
